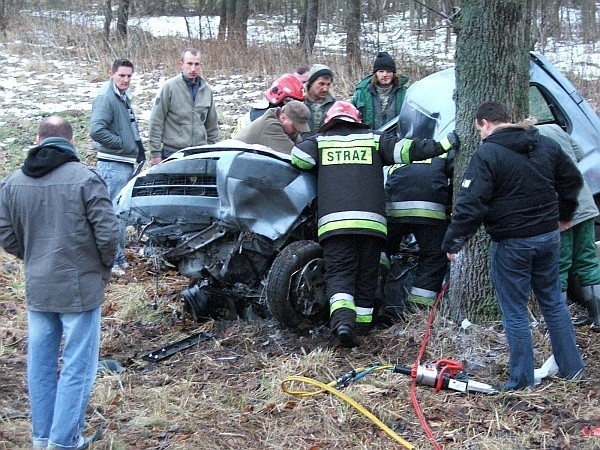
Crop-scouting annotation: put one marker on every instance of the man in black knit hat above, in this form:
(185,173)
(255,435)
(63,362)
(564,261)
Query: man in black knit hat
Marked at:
(380,95)
(318,98)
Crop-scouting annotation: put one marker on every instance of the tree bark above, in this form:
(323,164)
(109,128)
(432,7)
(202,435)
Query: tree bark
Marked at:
(302,23)
(3,21)
(122,18)
(222,34)
(353,57)
(497,68)
(308,29)
(240,29)
(107,18)
(230,23)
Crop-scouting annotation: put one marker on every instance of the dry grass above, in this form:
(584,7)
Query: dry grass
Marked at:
(225,393)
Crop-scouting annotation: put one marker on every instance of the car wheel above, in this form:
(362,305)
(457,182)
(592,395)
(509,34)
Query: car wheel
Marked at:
(295,292)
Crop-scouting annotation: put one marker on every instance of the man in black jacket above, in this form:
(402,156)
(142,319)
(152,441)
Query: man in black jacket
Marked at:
(523,188)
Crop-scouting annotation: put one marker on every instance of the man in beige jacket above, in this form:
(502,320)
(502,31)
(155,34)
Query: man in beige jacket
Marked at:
(278,128)
(184,112)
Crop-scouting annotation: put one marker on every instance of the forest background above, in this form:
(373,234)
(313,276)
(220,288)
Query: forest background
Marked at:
(225,392)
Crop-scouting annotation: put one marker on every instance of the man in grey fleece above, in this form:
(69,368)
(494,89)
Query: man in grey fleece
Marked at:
(184,112)
(114,129)
(578,243)
(56,215)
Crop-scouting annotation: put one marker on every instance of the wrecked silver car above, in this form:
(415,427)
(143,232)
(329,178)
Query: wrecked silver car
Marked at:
(429,110)
(238,220)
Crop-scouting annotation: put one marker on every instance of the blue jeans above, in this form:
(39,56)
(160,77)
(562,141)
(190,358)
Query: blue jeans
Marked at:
(58,403)
(116,175)
(519,264)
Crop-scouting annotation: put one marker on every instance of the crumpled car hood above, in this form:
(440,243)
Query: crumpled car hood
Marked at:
(250,188)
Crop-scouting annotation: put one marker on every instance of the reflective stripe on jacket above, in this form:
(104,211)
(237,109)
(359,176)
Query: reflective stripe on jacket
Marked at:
(349,160)
(420,192)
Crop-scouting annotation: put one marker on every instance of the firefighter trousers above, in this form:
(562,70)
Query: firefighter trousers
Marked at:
(351,270)
(433,263)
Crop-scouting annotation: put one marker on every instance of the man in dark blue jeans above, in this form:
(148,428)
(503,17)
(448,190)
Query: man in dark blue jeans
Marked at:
(523,188)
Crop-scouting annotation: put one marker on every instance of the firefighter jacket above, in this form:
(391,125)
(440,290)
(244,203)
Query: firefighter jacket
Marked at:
(349,159)
(420,192)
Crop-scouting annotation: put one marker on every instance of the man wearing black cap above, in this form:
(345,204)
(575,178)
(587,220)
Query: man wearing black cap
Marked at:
(380,95)
(318,98)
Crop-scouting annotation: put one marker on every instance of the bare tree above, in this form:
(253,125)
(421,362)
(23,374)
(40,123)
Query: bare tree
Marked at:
(222,34)
(497,68)
(353,56)
(122,18)
(240,28)
(308,26)
(3,20)
(107,19)
(589,23)
(230,18)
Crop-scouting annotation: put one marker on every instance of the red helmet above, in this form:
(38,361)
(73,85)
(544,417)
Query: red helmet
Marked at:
(286,86)
(342,110)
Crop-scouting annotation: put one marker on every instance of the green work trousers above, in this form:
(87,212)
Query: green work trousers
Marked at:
(578,255)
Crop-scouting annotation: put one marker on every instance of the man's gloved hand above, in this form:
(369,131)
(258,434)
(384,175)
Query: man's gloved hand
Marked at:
(450,141)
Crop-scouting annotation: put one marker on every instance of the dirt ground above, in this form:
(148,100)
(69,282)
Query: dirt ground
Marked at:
(225,392)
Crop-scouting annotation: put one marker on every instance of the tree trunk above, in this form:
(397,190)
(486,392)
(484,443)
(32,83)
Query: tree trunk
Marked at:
(589,25)
(230,24)
(107,18)
(240,29)
(353,22)
(302,23)
(497,68)
(310,27)
(122,18)
(222,34)
(3,21)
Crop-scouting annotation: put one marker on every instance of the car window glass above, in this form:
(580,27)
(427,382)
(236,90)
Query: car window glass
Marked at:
(415,122)
(538,107)
(545,108)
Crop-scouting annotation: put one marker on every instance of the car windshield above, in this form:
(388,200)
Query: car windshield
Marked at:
(416,122)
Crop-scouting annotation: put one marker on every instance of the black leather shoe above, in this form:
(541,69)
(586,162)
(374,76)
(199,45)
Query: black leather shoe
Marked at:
(346,336)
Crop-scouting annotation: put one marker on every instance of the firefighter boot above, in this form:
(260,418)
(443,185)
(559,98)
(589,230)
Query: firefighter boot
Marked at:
(342,324)
(591,294)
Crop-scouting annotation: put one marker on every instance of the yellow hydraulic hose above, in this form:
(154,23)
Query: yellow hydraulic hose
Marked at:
(330,387)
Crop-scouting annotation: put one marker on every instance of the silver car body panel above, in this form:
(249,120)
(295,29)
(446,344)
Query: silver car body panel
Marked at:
(248,187)
(429,111)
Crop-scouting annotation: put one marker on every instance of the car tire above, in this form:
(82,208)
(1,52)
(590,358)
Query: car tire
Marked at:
(295,291)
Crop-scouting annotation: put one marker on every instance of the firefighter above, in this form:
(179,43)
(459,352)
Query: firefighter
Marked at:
(348,158)
(418,199)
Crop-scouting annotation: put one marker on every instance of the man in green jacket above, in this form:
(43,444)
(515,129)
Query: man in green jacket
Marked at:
(379,96)
(184,112)
(116,135)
